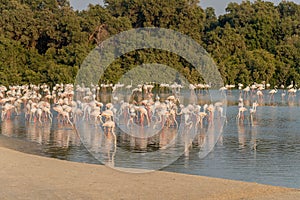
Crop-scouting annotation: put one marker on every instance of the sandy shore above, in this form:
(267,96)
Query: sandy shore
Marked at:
(25,176)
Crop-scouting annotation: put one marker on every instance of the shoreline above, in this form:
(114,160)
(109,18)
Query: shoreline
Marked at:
(25,176)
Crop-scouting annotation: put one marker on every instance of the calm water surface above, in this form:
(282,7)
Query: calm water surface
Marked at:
(268,152)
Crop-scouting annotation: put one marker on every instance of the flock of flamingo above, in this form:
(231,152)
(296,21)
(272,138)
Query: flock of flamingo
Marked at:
(133,107)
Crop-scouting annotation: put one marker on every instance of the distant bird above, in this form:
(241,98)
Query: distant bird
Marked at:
(223,89)
(260,95)
(128,87)
(252,111)
(290,86)
(110,128)
(240,86)
(240,114)
(246,91)
(241,102)
(272,92)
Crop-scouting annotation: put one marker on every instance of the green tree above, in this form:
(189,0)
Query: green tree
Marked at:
(261,64)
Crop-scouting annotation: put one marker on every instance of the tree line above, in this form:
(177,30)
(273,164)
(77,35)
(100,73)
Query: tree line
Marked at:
(45,41)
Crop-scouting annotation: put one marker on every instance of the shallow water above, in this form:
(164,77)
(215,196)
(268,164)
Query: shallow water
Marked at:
(275,160)
(267,152)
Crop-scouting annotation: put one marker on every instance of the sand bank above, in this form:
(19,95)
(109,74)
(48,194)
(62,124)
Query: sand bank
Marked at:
(24,176)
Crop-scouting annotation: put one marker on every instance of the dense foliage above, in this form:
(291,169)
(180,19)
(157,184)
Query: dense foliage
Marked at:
(47,40)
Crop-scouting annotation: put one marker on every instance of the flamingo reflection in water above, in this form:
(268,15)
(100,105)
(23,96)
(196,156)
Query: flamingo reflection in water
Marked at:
(38,133)
(141,143)
(110,149)
(102,145)
(167,137)
(253,144)
(7,128)
(241,135)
